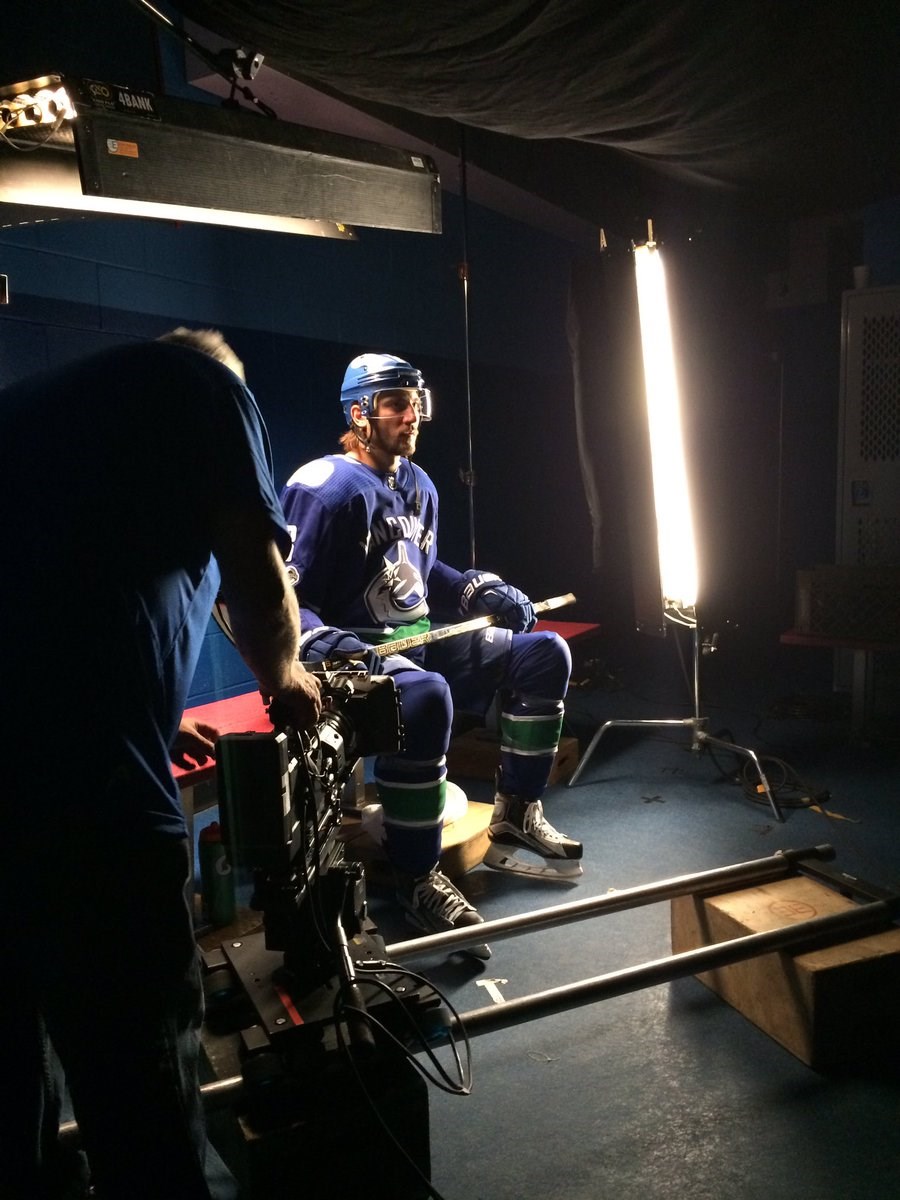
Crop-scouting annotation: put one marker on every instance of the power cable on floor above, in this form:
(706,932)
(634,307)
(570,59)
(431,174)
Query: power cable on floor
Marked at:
(788,787)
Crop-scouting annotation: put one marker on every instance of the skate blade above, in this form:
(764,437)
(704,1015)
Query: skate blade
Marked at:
(553,869)
(481,950)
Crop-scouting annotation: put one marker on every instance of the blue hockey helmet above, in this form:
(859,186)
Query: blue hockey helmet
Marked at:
(370,374)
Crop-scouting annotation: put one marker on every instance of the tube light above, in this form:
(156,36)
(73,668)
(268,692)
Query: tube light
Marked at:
(671,495)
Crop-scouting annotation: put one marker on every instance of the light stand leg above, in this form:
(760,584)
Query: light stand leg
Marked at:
(763,786)
(702,738)
(685,723)
(696,724)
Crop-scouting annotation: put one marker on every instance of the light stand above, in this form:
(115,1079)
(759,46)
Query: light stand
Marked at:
(669,586)
(700,739)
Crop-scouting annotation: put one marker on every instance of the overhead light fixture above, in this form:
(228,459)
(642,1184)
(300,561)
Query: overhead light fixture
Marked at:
(82,147)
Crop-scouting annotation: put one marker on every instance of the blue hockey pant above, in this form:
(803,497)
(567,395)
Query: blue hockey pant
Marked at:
(529,671)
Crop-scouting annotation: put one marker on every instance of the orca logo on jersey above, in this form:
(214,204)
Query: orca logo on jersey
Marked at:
(397,594)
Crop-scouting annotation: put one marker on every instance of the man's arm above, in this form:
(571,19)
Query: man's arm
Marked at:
(263,613)
(445,585)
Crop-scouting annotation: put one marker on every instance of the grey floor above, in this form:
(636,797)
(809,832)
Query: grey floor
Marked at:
(669,1092)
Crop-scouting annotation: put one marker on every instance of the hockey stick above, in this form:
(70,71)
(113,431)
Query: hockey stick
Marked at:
(383,649)
(444,631)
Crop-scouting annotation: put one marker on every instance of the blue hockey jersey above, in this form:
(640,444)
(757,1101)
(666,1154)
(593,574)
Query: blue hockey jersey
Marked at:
(364,555)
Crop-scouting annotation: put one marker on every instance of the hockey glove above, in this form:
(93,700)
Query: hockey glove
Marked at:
(486,594)
(331,643)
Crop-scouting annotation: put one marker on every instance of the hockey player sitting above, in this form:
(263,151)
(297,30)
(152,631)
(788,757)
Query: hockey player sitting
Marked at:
(366,568)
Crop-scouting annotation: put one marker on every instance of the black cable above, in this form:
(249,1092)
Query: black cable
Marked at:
(462,1085)
(309,812)
(790,782)
(48,134)
(780,775)
(342,1010)
(221,65)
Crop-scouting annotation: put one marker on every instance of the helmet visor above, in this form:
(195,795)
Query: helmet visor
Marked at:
(391,402)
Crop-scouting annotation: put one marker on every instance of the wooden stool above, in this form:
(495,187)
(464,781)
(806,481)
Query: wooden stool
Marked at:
(463,844)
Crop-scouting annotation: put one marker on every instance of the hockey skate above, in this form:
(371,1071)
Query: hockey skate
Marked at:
(434,905)
(519,825)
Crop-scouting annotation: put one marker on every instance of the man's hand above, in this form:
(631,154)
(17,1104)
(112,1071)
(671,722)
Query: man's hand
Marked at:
(302,697)
(194,744)
(333,643)
(487,594)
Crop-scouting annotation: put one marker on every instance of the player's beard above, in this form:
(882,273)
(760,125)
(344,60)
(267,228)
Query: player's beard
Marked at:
(401,444)
(409,441)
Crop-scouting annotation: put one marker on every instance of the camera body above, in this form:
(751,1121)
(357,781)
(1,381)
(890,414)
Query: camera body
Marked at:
(280,810)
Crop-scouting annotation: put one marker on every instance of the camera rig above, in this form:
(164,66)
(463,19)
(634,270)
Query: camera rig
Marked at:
(281,797)
(300,1009)
(323,1025)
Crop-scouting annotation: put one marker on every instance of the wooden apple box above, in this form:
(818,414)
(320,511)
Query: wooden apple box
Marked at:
(463,843)
(476,755)
(830,1007)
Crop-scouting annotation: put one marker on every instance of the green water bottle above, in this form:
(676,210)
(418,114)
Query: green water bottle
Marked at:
(216,877)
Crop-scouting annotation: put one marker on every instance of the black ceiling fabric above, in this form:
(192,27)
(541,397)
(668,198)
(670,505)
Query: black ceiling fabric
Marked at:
(789,105)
